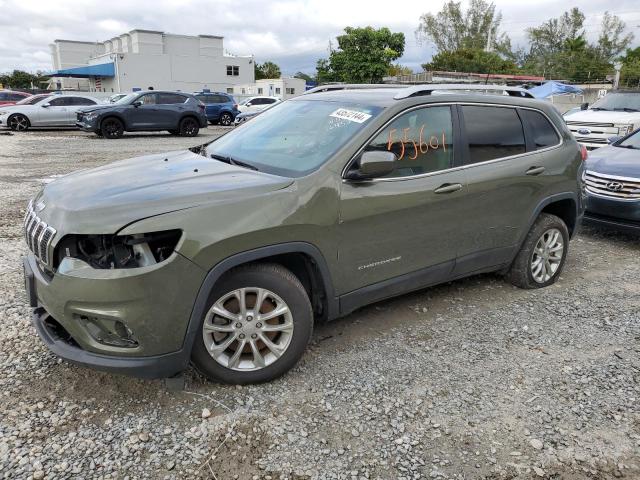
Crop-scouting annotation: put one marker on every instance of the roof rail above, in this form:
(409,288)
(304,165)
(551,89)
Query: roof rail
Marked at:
(416,90)
(330,87)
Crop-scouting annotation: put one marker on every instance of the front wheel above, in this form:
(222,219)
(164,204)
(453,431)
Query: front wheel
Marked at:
(543,254)
(226,119)
(18,122)
(258,324)
(189,127)
(112,128)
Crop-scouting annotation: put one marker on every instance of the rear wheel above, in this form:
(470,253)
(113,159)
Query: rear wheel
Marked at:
(111,128)
(189,127)
(18,122)
(226,119)
(542,256)
(258,324)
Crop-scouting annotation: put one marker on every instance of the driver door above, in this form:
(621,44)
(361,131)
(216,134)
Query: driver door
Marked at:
(146,115)
(404,224)
(55,112)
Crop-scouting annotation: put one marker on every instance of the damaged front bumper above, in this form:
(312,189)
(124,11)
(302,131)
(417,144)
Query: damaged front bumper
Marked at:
(75,313)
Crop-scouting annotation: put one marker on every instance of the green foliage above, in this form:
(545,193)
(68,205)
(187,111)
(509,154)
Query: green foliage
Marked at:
(267,70)
(364,55)
(612,40)
(630,73)
(398,70)
(22,79)
(631,55)
(303,76)
(470,60)
(453,29)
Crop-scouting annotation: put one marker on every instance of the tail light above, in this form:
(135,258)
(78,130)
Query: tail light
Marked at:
(235,106)
(201,106)
(584,153)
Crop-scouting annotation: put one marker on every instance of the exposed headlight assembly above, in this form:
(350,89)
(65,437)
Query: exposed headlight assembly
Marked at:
(119,251)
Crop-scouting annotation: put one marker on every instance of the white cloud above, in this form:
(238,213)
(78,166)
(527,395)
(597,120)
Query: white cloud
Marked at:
(294,33)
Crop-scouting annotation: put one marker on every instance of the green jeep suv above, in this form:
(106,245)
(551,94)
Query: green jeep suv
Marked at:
(226,254)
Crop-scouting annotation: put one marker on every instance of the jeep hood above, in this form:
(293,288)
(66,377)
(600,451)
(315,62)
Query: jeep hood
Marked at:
(604,116)
(621,162)
(105,199)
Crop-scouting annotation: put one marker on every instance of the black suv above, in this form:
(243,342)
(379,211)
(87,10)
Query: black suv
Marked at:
(179,113)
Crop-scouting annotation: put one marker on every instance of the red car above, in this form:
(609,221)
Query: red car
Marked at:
(9,97)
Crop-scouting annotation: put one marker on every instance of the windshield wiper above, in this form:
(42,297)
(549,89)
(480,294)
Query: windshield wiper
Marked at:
(627,109)
(599,108)
(631,147)
(232,161)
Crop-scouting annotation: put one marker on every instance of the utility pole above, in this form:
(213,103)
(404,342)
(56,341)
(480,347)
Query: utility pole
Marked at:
(616,81)
(488,47)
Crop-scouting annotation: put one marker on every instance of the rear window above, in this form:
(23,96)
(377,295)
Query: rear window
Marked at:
(170,98)
(492,132)
(539,130)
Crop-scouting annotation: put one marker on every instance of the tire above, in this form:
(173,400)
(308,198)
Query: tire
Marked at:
(226,119)
(214,351)
(18,122)
(537,264)
(188,127)
(99,133)
(112,128)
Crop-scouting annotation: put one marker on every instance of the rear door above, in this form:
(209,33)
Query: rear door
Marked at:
(407,221)
(171,107)
(509,164)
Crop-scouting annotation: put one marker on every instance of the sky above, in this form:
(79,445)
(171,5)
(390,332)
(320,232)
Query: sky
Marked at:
(294,34)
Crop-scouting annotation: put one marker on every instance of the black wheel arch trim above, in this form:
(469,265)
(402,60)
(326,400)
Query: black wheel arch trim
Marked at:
(251,256)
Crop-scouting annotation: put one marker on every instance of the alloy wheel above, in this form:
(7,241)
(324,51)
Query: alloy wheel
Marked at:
(225,119)
(18,122)
(547,255)
(248,329)
(189,127)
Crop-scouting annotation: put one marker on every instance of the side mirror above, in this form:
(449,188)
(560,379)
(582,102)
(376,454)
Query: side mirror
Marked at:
(584,106)
(137,103)
(46,105)
(248,104)
(613,139)
(372,165)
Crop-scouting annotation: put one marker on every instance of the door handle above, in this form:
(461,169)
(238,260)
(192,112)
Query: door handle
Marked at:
(448,188)
(535,171)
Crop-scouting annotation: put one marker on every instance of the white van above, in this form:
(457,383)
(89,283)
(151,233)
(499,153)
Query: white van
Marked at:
(614,115)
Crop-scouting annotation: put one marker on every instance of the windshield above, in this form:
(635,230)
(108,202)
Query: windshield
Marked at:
(126,99)
(32,100)
(622,102)
(294,138)
(631,142)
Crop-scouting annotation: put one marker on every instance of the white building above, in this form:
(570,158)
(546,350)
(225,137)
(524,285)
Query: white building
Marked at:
(284,88)
(145,58)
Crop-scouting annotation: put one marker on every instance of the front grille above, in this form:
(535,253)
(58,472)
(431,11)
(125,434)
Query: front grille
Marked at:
(589,124)
(612,186)
(602,141)
(38,235)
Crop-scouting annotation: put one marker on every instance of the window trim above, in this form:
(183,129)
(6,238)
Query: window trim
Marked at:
(459,133)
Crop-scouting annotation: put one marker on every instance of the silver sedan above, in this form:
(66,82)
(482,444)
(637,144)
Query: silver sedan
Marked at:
(46,111)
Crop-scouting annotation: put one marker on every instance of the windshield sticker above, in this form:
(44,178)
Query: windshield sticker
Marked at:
(351,115)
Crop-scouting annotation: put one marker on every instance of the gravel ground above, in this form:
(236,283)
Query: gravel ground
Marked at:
(472,379)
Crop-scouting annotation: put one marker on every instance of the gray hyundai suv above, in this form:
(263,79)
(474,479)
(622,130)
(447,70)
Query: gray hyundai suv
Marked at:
(179,113)
(226,254)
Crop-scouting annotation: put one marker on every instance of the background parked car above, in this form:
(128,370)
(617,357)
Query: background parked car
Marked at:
(220,107)
(254,104)
(613,184)
(115,98)
(245,116)
(46,111)
(9,97)
(179,113)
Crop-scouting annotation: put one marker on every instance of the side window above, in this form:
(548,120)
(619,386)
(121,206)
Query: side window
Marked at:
(170,98)
(15,97)
(493,132)
(4,96)
(422,140)
(61,102)
(82,101)
(220,99)
(203,98)
(269,101)
(540,131)
(148,99)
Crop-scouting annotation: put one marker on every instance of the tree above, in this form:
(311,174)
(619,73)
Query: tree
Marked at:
(398,70)
(364,55)
(22,79)
(267,70)
(612,40)
(303,76)
(631,55)
(470,60)
(453,29)
(554,35)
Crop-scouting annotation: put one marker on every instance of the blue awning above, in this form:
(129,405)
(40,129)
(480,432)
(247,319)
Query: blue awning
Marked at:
(548,89)
(100,70)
